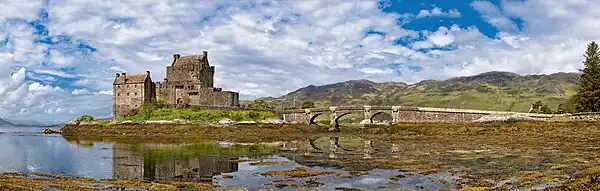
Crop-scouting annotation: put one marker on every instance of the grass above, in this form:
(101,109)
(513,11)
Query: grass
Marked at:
(199,115)
(19,181)
(135,133)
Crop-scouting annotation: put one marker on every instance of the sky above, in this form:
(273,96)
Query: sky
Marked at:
(58,58)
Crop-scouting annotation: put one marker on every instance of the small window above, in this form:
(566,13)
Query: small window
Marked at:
(135,93)
(127,94)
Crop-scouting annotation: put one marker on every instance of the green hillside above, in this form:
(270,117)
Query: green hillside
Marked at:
(489,91)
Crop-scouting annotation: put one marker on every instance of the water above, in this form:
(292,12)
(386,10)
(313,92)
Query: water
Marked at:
(26,150)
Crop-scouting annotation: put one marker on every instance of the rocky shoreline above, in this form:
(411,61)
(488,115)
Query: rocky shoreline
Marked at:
(222,122)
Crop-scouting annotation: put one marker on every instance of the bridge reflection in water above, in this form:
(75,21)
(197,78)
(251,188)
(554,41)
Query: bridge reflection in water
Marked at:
(342,147)
(142,165)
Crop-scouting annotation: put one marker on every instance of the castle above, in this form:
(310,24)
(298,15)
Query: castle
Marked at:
(189,81)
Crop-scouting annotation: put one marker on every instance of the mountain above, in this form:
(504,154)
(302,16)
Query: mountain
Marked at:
(495,90)
(4,123)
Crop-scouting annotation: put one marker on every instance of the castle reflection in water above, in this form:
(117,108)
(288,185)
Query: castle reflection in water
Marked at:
(131,165)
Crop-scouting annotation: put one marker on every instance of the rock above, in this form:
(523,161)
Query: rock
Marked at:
(74,122)
(246,122)
(504,118)
(365,121)
(180,121)
(159,122)
(226,121)
(127,122)
(50,131)
(273,121)
(87,123)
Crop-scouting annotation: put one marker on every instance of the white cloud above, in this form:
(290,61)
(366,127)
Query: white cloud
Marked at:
(376,71)
(493,15)
(80,92)
(438,12)
(19,10)
(271,48)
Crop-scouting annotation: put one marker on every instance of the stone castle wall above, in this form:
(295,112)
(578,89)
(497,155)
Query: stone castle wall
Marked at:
(130,97)
(212,97)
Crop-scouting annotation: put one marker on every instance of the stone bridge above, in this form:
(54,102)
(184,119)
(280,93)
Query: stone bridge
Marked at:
(399,114)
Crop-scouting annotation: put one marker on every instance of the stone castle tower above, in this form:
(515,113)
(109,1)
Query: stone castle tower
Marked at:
(189,81)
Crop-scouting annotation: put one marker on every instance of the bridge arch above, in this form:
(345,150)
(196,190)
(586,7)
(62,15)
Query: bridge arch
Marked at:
(313,117)
(340,116)
(386,114)
(335,123)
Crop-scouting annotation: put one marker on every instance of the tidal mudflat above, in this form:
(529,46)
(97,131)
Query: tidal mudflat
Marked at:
(513,156)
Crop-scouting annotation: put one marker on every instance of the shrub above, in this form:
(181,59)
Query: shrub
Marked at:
(260,104)
(308,104)
(86,118)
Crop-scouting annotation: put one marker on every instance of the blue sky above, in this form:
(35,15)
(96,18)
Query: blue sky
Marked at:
(58,58)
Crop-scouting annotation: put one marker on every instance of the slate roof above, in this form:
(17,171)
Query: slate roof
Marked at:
(131,79)
(185,60)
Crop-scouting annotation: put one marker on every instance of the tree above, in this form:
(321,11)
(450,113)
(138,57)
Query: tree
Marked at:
(567,107)
(587,97)
(539,107)
(260,104)
(289,107)
(308,104)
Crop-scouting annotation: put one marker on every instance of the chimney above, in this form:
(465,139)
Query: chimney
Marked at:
(176,56)
(205,54)
(147,72)
(166,80)
(124,76)
(118,75)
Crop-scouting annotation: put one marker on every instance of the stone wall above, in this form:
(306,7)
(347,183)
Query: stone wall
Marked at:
(207,76)
(296,118)
(128,98)
(212,97)
(183,73)
(435,117)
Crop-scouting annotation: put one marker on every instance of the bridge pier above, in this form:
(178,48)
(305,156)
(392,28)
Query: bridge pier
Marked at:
(334,126)
(332,147)
(395,115)
(395,150)
(368,149)
(367,115)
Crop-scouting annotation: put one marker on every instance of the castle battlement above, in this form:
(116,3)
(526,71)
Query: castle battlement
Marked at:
(189,81)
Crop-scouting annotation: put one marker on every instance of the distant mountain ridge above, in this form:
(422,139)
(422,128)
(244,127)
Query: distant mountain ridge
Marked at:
(15,123)
(4,123)
(504,91)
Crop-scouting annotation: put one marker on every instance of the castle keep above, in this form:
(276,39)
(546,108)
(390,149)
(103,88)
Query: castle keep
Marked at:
(189,81)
